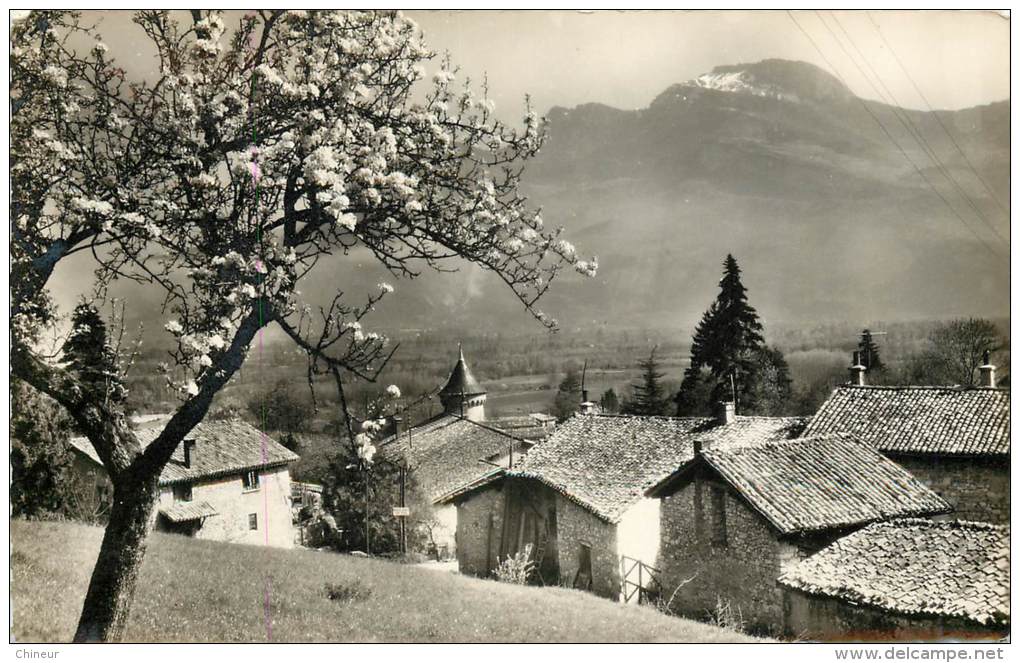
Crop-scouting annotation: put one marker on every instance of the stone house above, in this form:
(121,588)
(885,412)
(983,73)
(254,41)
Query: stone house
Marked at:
(903,580)
(734,518)
(955,440)
(448,454)
(578,498)
(226,481)
(461,446)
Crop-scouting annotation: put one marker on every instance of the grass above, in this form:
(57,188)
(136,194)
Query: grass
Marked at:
(205,591)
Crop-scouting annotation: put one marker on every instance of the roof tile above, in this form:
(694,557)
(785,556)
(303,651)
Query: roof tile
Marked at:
(919,420)
(824,482)
(447,453)
(915,567)
(606,462)
(221,447)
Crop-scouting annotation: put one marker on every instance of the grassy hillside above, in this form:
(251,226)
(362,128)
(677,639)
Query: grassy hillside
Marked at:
(202,591)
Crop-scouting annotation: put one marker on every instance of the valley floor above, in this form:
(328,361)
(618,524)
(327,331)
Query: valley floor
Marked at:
(203,591)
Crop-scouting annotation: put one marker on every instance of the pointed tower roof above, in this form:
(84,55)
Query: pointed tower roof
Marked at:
(461,381)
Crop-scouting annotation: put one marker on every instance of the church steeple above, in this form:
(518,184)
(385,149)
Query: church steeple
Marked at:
(463,395)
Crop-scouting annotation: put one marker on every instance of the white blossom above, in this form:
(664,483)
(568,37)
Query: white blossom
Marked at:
(55,75)
(444,77)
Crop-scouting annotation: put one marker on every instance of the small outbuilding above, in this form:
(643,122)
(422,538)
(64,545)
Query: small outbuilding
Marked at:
(733,519)
(446,455)
(903,580)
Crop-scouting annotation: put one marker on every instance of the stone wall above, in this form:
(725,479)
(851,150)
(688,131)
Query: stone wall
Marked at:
(741,573)
(978,489)
(576,527)
(270,503)
(810,617)
(479,525)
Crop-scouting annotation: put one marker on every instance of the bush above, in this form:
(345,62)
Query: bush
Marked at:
(347,593)
(725,616)
(517,568)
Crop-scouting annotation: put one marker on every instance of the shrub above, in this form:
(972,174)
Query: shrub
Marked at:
(517,568)
(347,593)
(725,616)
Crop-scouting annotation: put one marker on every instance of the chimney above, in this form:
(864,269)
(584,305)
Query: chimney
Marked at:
(189,446)
(987,370)
(725,412)
(398,425)
(587,407)
(857,371)
(697,448)
(584,394)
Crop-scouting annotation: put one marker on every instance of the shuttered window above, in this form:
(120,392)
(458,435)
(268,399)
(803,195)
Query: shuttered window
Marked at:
(251,480)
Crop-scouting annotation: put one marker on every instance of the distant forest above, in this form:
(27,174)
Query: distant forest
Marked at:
(522,371)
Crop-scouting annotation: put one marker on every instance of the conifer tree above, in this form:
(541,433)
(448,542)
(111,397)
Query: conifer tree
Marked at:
(649,396)
(869,352)
(89,355)
(727,342)
(610,402)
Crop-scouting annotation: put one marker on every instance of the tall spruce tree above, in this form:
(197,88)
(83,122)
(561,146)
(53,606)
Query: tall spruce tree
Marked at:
(648,396)
(728,344)
(869,353)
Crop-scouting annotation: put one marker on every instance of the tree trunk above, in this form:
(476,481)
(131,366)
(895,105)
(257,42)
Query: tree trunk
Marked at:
(112,586)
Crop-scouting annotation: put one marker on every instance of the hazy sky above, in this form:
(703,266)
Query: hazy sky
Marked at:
(625,59)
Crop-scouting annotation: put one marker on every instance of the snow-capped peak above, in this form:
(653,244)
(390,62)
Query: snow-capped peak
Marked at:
(741,82)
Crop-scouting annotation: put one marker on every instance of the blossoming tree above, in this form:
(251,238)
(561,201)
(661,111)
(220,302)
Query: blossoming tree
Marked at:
(256,151)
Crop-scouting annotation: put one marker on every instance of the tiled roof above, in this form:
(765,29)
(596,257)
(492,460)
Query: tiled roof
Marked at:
(751,431)
(523,426)
(461,381)
(915,567)
(446,453)
(813,483)
(184,511)
(919,420)
(221,448)
(606,462)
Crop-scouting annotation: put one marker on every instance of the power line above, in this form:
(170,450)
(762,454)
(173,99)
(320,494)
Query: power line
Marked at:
(905,120)
(949,134)
(893,140)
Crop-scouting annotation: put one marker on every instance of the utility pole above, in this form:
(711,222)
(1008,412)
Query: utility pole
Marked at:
(403,503)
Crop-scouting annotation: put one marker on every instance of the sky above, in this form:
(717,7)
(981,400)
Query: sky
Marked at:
(625,58)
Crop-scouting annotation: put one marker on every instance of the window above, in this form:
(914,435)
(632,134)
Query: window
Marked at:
(253,521)
(182,492)
(719,516)
(251,480)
